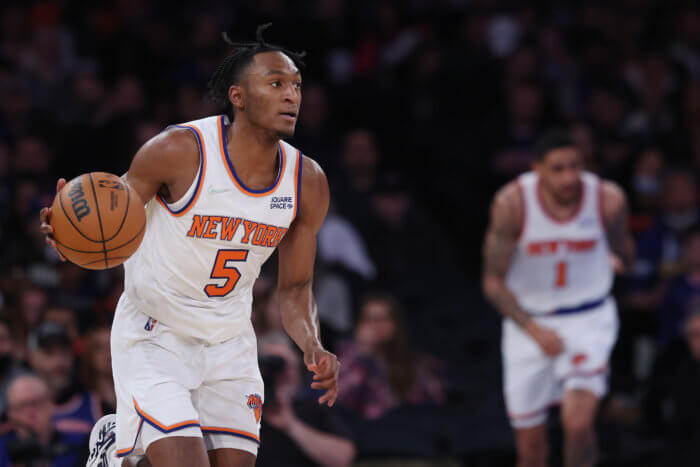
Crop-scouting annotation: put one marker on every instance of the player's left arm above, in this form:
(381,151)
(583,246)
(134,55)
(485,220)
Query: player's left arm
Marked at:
(615,213)
(297,252)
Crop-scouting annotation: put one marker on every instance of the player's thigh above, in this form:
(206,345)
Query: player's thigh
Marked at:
(578,410)
(532,445)
(231,458)
(178,451)
(529,383)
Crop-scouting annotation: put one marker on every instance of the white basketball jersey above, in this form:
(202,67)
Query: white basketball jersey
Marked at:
(201,255)
(560,264)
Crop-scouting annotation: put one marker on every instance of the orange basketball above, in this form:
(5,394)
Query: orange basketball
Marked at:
(98,220)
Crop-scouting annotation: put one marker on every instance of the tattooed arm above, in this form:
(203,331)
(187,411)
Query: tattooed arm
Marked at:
(499,246)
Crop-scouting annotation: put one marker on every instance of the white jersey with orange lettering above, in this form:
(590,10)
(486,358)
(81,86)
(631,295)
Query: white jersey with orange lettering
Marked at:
(184,353)
(562,275)
(560,264)
(201,254)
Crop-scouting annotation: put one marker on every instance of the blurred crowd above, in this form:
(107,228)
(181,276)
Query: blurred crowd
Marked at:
(417,110)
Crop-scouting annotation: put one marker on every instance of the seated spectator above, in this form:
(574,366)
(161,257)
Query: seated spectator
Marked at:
(683,292)
(379,368)
(682,402)
(51,357)
(34,439)
(97,370)
(297,432)
(658,249)
(9,367)
(69,320)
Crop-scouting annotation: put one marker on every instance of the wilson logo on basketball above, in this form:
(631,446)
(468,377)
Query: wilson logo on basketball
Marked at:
(110,184)
(255,403)
(78,201)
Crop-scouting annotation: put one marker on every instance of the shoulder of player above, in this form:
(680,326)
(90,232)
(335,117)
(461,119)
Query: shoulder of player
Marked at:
(314,182)
(507,204)
(314,191)
(612,197)
(170,149)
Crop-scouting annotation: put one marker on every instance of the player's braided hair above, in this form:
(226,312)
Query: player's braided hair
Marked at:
(228,72)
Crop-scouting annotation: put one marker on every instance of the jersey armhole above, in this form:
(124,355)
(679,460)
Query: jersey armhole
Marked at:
(601,212)
(182,205)
(297,185)
(523,212)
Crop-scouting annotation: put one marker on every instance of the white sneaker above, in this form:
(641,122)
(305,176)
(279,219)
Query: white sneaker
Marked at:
(102,443)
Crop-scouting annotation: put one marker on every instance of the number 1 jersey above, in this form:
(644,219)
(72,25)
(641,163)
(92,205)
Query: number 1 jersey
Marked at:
(201,254)
(560,264)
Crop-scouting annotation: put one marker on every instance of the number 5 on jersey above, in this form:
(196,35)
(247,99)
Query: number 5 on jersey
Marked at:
(222,270)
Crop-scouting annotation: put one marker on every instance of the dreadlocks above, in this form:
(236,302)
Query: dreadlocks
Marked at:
(229,70)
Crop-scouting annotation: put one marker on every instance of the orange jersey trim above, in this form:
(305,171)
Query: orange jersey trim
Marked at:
(231,431)
(232,171)
(200,175)
(164,428)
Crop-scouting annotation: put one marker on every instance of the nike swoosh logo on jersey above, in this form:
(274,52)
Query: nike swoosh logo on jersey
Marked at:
(216,191)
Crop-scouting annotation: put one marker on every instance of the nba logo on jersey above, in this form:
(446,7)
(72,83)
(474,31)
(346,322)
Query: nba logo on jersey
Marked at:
(150,324)
(255,403)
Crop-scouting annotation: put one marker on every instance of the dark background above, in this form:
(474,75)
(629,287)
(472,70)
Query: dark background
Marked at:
(417,110)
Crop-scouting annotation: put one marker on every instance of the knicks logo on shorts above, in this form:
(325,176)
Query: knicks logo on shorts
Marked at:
(150,324)
(255,403)
(579,358)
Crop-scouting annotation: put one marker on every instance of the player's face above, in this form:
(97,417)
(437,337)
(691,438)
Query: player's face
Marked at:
(560,172)
(273,93)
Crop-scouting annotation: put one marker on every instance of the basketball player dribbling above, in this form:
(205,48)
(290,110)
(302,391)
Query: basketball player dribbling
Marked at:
(556,236)
(221,196)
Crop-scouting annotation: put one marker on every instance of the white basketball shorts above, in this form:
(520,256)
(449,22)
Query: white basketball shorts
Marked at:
(533,382)
(172,385)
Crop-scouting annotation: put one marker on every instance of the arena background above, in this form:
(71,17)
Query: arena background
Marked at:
(417,110)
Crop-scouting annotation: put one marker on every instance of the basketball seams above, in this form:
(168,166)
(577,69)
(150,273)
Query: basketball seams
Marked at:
(106,249)
(65,213)
(99,220)
(126,212)
(98,260)
(138,234)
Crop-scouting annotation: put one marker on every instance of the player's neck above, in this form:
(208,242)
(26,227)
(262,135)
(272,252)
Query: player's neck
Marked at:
(252,150)
(560,209)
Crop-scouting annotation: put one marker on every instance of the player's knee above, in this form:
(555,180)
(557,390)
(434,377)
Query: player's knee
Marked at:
(578,429)
(533,453)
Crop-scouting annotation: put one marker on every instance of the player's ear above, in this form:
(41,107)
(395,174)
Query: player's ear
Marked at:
(237,97)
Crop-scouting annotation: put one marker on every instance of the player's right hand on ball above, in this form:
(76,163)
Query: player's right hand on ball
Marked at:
(45,215)
(548,340)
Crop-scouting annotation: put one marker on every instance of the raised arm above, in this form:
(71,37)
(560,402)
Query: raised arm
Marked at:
(499,246)
(615,213)
(297,252)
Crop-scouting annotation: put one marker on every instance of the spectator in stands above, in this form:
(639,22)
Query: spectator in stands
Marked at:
(96,370)
(51,357)
(645,189)
(297,432)
(380,370)
(683,294)
(34,438)
(67,318)
(9,367)
(682,403)
(658,249)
